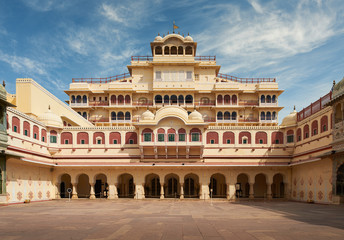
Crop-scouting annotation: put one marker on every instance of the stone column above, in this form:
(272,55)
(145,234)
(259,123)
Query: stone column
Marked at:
(57,192)
(181,190)
(113,191)
(162,194)
(204,191)
(268,191)
(75,193)
(251,196)
(92,195)
(231,191)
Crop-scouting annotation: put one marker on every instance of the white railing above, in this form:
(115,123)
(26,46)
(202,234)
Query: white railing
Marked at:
(79,104)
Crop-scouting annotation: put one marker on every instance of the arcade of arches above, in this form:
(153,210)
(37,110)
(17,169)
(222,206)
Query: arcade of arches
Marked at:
(173,185)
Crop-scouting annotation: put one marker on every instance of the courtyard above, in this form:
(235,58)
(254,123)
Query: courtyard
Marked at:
(170,219)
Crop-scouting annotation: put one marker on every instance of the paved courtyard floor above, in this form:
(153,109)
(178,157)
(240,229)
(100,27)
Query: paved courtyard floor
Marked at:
(168,219)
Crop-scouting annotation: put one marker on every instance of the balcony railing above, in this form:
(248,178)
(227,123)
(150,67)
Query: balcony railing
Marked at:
(205,103)
(248,103)
(98,119)
(227,121)
(121,121)
(268,104)
(102,80)
(205,58)
(269,121)
(78,104)
(143,103)
(248,120)
(314,107)
(141,58)
(99,103)
(245,80)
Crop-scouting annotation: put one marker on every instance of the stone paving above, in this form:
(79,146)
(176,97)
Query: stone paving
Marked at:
(170,219)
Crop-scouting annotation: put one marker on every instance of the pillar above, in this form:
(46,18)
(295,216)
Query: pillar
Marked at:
(231,191)
(139,191)
(251,194)
(75,193)
(204,191)
(181,190)
(268,191)
(92,195)
(113,191)
(162,194)
(57,190)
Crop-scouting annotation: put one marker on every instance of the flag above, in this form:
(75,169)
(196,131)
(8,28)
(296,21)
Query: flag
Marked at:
(175,26)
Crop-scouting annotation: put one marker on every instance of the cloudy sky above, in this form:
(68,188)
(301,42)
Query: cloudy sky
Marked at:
(300,42)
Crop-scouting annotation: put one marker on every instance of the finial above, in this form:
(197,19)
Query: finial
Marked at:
(163,35)
(168,32)
(158,34)
(3,83)
(188,34)
(49,107)
(294,108)
(334,82)
(179,33)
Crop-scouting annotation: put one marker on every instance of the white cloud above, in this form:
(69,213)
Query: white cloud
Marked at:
(257,39)
(114,14)
(23,64)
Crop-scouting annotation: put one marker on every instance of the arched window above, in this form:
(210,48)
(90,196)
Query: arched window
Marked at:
(234,99)
(188,99)
(174,99)
(314,127)
(181,135)
(306,131)
(167,50)
(173,50)
(227,99)
(219,99)
(268,99)
(261,138)
(84,114)
(127,116)
(26,127)
(115,138)
(44,135)
(273,99)
(219,116)
(78,99)
(181,100)
(268,116)
(127,99)
(180,50)
(228,138)
(245,138)
(212,138)
(147,135)
(171,134)
(131,138)
(277,138)
(15,124)
(66,138)
(73,99)
(113,99)
(290,136)
(158,99)
(166,99)
(324,123)
(262,99)
(35,132)
(113,116)
(234,115)
(227,116)
(53,136)
(262,116)
(158,50)
(273,115)
(120,116)
(195,135)
(120,99)
(82,138)
(161,135)
(84,99)
(188,50)
(98,138)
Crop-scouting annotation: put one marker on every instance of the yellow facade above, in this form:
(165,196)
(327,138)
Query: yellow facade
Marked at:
(172,127)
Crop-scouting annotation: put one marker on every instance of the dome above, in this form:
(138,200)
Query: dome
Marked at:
(188,38)
(338,89)
(195,116)
(158,38)
(290,119)
(147,115)
(50,119)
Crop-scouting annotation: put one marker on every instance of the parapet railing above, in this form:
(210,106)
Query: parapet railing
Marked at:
(150,58)
(314,107)
(245,80)
(102,80)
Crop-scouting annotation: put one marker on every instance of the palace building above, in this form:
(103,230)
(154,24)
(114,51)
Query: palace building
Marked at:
(172,127)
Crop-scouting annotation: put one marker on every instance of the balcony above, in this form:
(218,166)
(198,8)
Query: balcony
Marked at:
(269,121)
(272,104)
(78,104)
(244,80)
(143,103)
(248,120)
(171,144)
(98,103)
(98,119)
(248,103)
(121,121)
(227,121)
(120,77)
(210,103)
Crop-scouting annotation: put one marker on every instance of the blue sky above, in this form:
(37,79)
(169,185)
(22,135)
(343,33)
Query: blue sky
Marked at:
(301,43)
